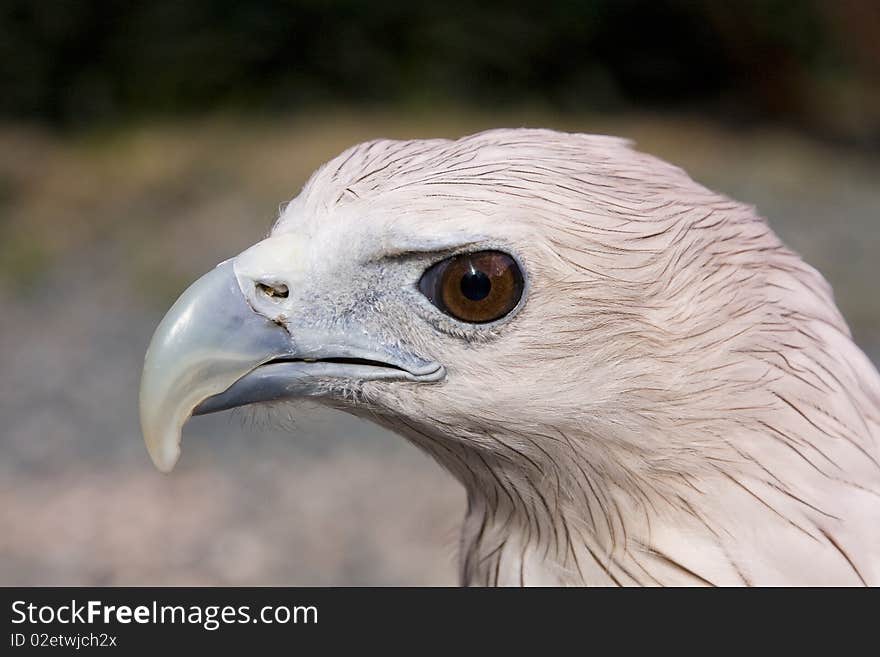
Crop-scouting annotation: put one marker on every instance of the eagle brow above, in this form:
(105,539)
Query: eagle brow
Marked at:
(415,247)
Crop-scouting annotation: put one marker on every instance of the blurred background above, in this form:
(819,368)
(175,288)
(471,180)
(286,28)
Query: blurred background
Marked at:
(142,142)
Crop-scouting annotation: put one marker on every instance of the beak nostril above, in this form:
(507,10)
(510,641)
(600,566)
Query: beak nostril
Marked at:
(273,290)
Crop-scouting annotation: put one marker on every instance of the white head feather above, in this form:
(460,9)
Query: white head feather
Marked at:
(677,401)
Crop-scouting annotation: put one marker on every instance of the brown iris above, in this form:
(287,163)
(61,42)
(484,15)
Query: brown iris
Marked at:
(474,287)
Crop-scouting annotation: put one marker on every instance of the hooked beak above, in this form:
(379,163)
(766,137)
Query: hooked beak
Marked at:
(212,351)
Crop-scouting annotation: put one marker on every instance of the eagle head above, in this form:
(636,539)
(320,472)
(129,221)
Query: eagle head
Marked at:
(633,378)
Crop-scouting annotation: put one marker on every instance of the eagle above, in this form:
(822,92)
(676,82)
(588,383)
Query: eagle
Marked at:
(633,378)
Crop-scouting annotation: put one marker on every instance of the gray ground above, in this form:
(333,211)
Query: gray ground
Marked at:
(99,234)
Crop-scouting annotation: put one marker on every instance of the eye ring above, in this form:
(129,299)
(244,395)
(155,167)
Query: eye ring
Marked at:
(476,288)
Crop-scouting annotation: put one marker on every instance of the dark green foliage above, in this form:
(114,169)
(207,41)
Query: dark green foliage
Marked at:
(77,62)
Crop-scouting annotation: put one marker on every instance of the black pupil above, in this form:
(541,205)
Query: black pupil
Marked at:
(475,285)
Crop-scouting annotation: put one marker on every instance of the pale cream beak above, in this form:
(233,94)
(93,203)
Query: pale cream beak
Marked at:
(208,340)
(213,351)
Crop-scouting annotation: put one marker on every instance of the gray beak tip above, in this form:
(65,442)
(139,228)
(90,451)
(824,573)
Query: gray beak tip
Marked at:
(197,351)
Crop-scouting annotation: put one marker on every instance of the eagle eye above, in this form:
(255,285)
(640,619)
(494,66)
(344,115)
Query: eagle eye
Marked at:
(474,287)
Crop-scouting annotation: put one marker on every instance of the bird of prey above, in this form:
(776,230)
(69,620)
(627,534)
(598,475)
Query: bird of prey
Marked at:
(633,378)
